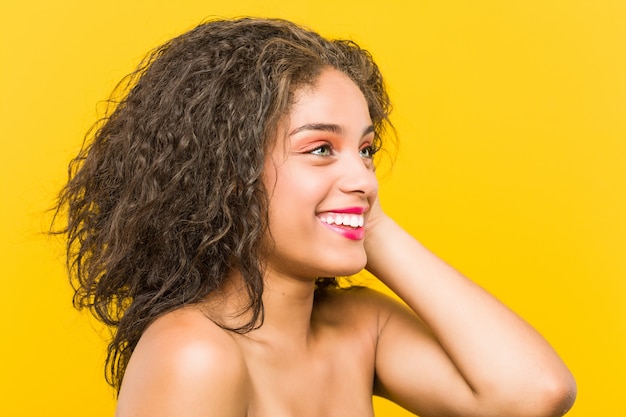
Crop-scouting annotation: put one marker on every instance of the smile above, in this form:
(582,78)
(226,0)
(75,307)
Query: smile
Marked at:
(348,225)
(339,219)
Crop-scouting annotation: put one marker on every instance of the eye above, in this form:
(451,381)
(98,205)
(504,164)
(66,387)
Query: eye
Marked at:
(368,151)
(323,150)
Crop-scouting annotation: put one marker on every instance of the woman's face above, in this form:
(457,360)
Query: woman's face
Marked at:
(321,182)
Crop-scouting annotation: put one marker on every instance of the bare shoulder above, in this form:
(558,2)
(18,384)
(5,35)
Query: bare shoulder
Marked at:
(184,364)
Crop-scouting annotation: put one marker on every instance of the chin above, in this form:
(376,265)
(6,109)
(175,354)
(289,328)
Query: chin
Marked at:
(347,269)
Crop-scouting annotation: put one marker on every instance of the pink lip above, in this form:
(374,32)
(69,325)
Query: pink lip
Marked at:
(347,232)
(352,234)
(349,210)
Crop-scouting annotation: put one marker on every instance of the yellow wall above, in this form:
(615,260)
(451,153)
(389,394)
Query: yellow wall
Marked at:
(512,164)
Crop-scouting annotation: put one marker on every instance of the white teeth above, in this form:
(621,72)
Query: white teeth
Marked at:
(352,220)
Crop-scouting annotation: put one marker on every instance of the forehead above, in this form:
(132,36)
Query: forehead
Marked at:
(333,99)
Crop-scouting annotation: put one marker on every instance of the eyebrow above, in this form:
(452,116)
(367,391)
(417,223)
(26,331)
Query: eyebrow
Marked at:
(328,127)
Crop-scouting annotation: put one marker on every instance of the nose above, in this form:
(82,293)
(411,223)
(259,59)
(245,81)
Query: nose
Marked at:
(357,175)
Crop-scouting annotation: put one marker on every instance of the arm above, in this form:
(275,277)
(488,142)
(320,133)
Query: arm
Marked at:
(472,356)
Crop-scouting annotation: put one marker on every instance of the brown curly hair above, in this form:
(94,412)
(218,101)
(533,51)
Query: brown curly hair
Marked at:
(166,196)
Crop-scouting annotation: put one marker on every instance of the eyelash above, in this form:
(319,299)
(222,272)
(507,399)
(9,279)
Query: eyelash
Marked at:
(371,149)
(326,147)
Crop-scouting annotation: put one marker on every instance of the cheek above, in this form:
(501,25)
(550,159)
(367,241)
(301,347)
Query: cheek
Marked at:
(290,200)
(293,205)
(301,184)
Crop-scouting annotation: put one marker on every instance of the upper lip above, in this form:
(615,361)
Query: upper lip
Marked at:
(348,210)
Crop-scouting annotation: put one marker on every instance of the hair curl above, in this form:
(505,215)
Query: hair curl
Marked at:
(166,196)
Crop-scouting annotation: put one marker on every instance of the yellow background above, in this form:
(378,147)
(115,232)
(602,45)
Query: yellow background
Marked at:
(511,118)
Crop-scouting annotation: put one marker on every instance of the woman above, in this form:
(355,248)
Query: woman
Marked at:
(209,214)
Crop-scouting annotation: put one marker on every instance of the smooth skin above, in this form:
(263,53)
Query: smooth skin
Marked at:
(454,351)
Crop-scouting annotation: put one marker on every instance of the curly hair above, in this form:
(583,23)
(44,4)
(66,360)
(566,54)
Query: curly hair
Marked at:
(166,196)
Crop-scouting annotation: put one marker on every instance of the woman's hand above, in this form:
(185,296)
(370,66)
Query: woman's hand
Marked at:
(375,233)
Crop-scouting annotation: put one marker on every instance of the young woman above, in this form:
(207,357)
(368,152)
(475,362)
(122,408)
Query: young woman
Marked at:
(210,213)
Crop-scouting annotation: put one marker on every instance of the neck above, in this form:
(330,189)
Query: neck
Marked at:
(287,303)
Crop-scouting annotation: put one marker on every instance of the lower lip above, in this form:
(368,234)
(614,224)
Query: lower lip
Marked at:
(348,233)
